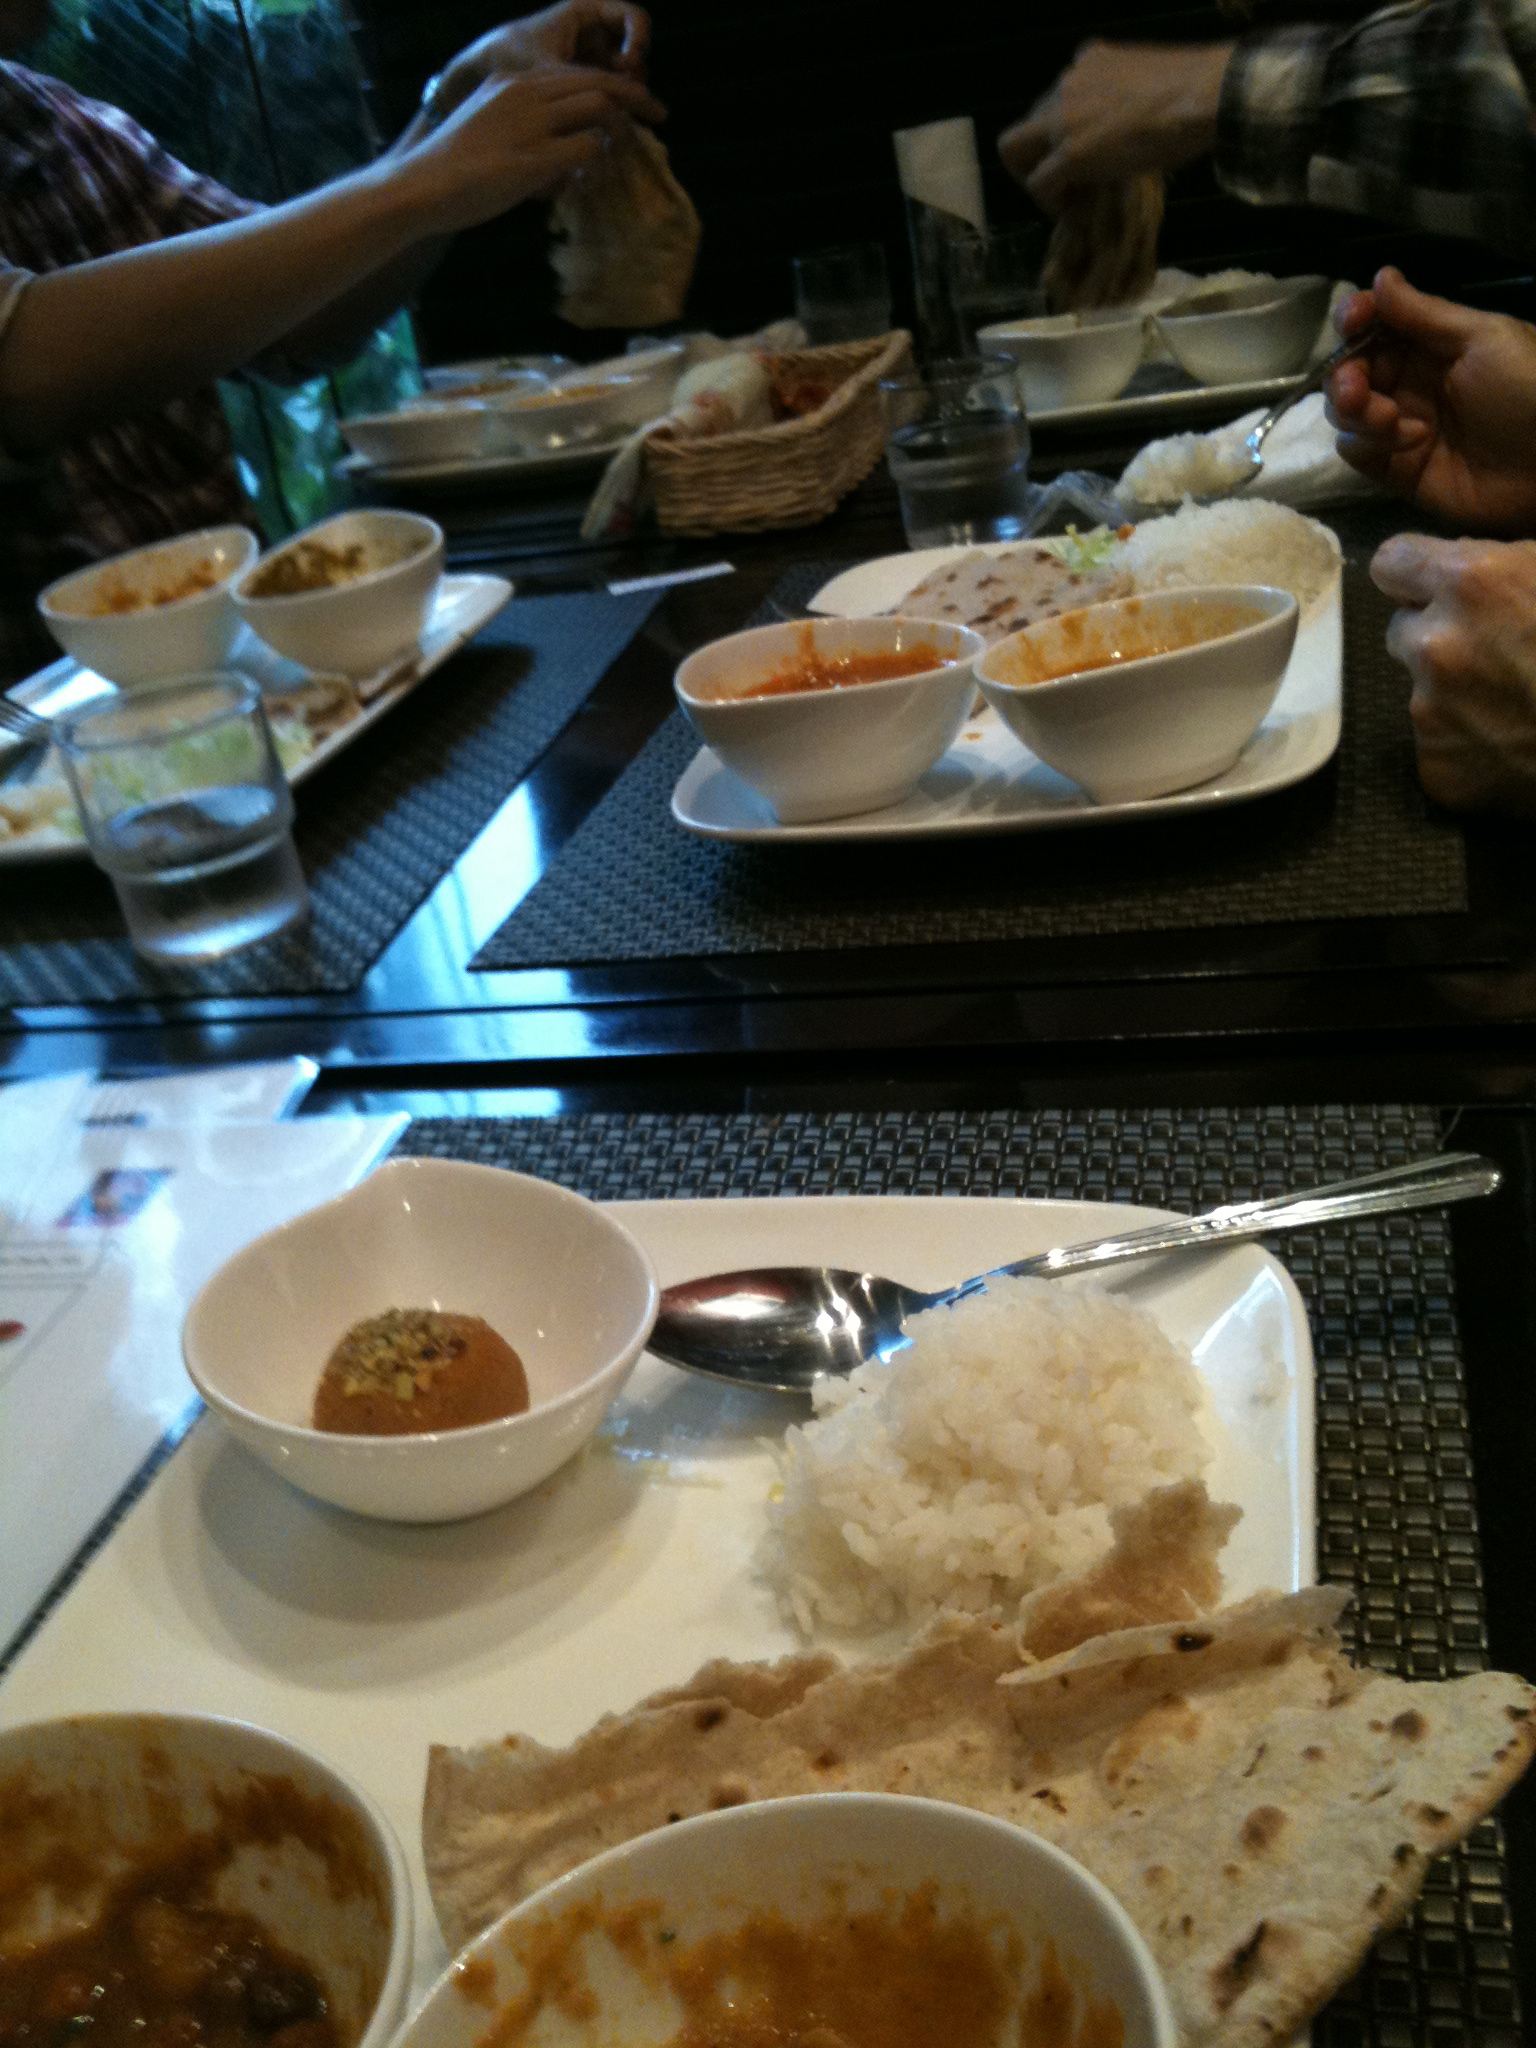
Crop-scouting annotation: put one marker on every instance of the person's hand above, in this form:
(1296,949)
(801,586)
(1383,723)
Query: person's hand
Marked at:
(1467,636)
(1443,408)
(1117,110)
(514,138)
(605,35)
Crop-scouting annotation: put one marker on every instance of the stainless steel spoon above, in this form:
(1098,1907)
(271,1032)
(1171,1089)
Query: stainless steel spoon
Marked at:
(1258,433)
(780,1326)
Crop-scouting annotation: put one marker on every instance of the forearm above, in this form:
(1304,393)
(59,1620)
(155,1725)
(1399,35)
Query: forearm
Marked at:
(336,333)
(126,333)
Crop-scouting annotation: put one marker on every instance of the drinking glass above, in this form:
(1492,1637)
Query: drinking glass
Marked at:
(957,441)
(843,294)
(186,807)
(995,276)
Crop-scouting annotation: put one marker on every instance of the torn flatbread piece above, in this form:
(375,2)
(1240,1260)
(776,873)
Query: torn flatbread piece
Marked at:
(999,594)
(1103,248)
(1261,1809)
(627,237)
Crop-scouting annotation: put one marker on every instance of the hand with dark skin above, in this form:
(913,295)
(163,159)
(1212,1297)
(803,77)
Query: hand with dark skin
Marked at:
(1442,409)
(1117,110)
(1466,634)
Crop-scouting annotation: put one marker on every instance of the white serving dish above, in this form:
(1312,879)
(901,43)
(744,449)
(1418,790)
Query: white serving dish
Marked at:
(1130,729)
(986,783)
(1068,359)
(815,754)
(1271,334)
(443,429)
(117,1790)
(461,606)
(564,1284)
(226,1591)
(579,408)
(542,466)
(1168,409)
(802,1860)
(355,627)
(162,640)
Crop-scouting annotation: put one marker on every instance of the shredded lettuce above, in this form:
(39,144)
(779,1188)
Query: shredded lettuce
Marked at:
(1082,552)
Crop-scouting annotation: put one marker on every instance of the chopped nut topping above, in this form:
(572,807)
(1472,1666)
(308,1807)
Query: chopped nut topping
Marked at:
(400,1352)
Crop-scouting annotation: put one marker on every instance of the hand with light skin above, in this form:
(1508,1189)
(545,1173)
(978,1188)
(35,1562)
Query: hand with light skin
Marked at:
(603,35)
(1466,634)
(1442,409)
(1117,110)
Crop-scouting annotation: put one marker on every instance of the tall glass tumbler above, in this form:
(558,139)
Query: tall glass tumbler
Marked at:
(995,276)
(843,294)
(957,442)
(186,807)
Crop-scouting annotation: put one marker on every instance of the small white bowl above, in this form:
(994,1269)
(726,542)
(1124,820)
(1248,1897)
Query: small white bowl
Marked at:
(1248,341)
(448,429)
(828,753)
(161,640)
(1129,727)
(566,1286)
(356,627)
(109,1793)
(1068,358)
(802,1860)
(582,406)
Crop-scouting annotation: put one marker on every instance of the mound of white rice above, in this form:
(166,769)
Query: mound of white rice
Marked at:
(1242,541)
(982,1461)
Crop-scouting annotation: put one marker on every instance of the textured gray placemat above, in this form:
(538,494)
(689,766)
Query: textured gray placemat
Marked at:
(377,829)
(1357,840)
(1396,1502)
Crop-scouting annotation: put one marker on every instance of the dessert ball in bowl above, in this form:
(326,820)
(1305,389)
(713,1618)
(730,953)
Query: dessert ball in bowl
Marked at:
(865,1919)
(156,612)
(1068,359)
(1144,695)
(396,1305)
(349,595)
(176,1878)
(833,716)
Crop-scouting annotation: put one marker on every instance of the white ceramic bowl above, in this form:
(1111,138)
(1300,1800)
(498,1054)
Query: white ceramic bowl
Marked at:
(1131,727)
(1068,358)
(161,640)
(580,407)
(114,1791)
(426,430)
(567,1287)
(828,753)
(356,627)
(803,1859)
(1271,338)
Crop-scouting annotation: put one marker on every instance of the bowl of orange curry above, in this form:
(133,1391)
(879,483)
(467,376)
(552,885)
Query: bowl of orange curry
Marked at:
(429,1345)
(156,612)
(832,716)
(173,1879)
(838,1920)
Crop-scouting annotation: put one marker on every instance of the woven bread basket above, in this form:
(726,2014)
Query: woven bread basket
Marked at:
(789,474)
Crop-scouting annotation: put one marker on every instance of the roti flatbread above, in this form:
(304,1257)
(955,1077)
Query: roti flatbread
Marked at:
(1261,1809)
(999,594)
(1103,248)
(627,238)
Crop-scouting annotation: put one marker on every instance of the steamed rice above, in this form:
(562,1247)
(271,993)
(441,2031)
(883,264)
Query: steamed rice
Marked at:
(982,1462)
(1240,541)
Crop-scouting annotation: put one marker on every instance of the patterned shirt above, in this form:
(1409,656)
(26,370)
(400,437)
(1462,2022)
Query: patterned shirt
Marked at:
(1420,114)
(79,179)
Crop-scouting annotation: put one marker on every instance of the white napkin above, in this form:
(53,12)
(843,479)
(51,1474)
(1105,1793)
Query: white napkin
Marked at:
(937,165)
(1301,465)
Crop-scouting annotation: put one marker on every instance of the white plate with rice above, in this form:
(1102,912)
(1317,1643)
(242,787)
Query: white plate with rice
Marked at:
(989,781)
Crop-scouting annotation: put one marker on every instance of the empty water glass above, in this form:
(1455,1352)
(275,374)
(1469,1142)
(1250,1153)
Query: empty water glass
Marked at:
(957,441)
(843,294)
(186,807)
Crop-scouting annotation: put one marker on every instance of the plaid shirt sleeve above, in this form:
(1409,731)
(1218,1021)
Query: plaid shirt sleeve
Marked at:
(1421,114)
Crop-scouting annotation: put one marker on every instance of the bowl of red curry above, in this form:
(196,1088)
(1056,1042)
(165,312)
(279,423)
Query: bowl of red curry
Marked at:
(831,716)
(156,612)
(173,1879)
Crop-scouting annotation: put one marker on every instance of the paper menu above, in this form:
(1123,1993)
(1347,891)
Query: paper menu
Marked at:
(105,1236)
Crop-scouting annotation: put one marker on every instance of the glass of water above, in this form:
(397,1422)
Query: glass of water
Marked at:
(843,294)
(995,276)
(957,441)
(186,806)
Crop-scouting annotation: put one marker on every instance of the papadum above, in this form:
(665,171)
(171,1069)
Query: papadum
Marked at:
(627,238)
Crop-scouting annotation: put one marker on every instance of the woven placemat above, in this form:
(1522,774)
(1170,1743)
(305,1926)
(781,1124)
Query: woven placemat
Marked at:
(1397,1518)
(377,829)
(1357,840)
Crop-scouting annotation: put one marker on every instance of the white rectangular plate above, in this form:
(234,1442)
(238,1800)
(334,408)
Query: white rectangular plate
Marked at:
(225,1592)
(1144,409)
(546,462)
(989,781)
(463,605)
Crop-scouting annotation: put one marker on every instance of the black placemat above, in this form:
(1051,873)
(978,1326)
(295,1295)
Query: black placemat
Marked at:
(1397,1517)
(1357,840)
(377,828)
